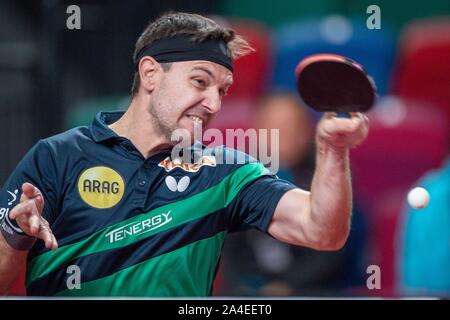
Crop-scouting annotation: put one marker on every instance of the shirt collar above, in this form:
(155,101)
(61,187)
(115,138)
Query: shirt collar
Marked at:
(99,127)
(101,132)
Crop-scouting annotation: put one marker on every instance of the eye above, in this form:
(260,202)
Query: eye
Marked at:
(200,82)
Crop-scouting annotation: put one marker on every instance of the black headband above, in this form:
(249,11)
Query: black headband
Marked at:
(182,48)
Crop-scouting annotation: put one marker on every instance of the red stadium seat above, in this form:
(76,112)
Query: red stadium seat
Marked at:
(252,73)
(398,152)
(235,114)
(423,68)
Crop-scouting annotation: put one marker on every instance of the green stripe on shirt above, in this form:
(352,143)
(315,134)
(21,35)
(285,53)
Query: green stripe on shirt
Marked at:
(162,276)
(147,224)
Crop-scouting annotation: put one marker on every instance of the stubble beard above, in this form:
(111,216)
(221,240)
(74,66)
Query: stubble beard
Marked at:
(162,125)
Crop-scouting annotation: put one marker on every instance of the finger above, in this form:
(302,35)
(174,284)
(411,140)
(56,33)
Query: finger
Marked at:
(337,127)
(21,209)
(28,218)
(333,114)
(353,115)
(46,235)
(345,125)
(362,123)
(32,192)
(365,117)
(54,243)
(344,133)
(29,190)
(34,224)
(329,115)
(24,208)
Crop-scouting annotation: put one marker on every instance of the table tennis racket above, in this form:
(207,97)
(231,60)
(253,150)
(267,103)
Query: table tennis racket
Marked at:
(333,83)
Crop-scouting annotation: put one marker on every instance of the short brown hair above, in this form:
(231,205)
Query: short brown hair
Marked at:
(201,28)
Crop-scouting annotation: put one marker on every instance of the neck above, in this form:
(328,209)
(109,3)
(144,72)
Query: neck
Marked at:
(138,126)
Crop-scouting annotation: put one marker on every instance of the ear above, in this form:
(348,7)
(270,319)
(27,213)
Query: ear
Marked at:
(148,73)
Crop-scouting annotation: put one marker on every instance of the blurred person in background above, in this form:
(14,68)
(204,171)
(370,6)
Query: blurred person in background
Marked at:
(424,253)
(256,264)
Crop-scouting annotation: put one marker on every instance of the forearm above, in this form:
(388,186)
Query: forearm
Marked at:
(320,219)
(331,195)
(11,264)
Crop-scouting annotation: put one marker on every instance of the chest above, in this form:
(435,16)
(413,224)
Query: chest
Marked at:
(135,196)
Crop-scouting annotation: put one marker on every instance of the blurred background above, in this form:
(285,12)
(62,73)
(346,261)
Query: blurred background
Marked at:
(52,79)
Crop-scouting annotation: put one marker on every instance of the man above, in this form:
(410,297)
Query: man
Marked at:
(129,219)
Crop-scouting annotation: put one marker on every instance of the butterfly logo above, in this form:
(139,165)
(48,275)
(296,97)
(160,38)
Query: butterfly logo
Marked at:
(179,186)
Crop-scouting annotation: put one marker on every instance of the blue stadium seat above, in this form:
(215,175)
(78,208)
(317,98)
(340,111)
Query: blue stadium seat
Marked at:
(374,49)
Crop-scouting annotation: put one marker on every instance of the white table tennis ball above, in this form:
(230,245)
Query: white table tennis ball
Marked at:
(418,198)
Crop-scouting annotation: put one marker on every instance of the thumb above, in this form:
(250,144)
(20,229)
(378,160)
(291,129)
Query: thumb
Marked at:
(29,190)
(32,192)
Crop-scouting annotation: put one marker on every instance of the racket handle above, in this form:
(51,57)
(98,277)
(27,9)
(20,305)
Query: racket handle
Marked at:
(343,115)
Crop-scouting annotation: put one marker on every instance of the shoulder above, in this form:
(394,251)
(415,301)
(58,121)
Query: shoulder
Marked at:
(59,147)
(436,181)
(44,159)
(69,137)
(234,163)
(229,156)
(69,140)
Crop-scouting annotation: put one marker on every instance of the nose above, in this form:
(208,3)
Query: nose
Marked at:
(212,101)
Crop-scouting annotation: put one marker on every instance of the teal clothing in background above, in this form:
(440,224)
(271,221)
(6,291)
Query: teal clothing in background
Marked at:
(425,255)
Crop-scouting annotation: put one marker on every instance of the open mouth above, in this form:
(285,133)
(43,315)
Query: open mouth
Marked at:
(196,119)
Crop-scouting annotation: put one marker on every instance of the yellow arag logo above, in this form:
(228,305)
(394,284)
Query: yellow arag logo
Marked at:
(101,187)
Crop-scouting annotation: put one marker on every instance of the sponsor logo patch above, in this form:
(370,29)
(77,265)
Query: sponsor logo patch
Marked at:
(169,165)
(179,186)
(12,197)
(101,187)
(137,228)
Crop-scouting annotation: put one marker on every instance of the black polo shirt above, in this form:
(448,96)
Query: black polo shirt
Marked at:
(130,226)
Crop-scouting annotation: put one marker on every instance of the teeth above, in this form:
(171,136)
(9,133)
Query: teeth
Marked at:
(196,119)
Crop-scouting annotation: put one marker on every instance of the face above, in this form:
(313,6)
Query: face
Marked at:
(286,114)
(189,93)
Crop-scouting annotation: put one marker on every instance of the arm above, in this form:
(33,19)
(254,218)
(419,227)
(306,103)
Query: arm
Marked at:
(11,265)
(320,219)
(28,216)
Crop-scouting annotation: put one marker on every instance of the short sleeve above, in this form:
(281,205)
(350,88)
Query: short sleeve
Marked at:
(38,168)
(256,202)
